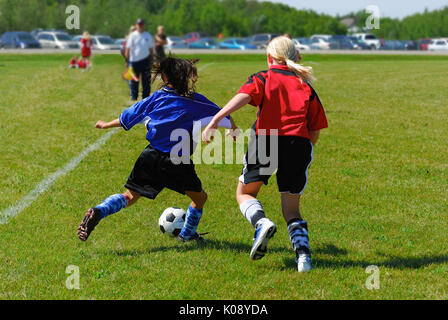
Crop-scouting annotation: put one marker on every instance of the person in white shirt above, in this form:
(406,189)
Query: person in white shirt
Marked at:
(139,54)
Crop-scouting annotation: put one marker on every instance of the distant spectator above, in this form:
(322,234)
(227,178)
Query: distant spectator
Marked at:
(139,53)
(287,35)
(123,45)
(160,43)
(86,46)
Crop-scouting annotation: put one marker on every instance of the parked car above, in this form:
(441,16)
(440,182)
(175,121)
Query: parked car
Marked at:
(393,45)
(19,39)
(194,36)
(369,39)
(56,40)
(422,44)
(237,44)
(103,42)
(302,44)
(326,37)
(262,40)
(205,43)
(36,32)
(174,42)
(410,45)
(120,42)
(438,44)
(321,43)
(358,44)
(341,42)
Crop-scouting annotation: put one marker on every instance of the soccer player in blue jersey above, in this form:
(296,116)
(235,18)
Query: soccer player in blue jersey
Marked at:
(174,107)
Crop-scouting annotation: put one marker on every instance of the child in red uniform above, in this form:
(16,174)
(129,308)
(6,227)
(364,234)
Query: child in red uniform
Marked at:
(289,110)
(86,46)
(73,63)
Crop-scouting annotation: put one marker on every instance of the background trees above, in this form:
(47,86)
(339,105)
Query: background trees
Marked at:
(229,17)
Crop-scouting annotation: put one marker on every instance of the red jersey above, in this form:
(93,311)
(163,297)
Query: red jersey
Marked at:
(285,103)
(86,46)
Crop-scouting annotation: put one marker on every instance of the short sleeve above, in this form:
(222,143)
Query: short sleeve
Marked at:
(129,41)
(255,88)
(317,120)
(137,113)
(151,41)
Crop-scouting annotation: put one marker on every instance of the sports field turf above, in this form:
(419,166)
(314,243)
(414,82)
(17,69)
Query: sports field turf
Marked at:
(377,193)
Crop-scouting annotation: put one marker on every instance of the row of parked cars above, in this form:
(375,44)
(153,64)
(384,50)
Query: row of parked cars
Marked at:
(53,39)
(360,41)
(57,39)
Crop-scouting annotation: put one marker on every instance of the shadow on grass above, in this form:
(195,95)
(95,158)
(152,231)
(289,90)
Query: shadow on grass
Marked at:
(333,255)
(190,246)
(391,262)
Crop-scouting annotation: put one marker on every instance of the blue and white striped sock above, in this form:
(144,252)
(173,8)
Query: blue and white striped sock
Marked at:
(112,205)
(298,234)
(252,211)
(191,223)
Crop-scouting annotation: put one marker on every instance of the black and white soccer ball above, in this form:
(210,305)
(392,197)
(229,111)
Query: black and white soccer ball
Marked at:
(172,221)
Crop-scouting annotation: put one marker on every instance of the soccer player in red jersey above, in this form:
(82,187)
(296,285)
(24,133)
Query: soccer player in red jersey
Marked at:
(290,117)
(86,46)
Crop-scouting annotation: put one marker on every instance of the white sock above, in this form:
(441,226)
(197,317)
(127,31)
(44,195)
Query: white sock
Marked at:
(253,211)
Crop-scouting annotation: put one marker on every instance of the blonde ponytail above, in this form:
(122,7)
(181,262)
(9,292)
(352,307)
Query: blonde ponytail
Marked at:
(282,50)
(303,72)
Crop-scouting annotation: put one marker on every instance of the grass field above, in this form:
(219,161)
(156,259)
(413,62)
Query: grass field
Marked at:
(377,193)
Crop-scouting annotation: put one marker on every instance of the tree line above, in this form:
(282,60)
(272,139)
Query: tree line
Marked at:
(228,17)
(429,24)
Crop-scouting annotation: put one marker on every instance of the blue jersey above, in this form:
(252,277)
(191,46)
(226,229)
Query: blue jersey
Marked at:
(166,111)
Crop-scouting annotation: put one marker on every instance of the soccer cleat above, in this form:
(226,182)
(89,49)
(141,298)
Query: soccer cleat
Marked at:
(88,224)
(197,237)
(304,263)
(263,234)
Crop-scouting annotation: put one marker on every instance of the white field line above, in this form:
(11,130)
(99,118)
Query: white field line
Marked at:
(46,183)
(49,181)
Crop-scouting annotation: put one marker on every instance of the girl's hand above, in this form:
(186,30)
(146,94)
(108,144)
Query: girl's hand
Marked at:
(100,125)
(235,131)
(209,130)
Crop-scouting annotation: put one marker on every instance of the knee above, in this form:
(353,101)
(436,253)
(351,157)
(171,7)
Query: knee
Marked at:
(131,196)
(203,198)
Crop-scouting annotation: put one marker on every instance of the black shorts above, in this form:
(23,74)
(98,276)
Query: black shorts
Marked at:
(292,160)
(154,171)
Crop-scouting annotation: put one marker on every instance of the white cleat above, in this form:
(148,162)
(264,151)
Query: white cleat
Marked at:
(261,238)
(304,263)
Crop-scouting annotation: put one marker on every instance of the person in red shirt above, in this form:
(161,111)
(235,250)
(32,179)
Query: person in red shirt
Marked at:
(73,63)
(290,117)
(86,46)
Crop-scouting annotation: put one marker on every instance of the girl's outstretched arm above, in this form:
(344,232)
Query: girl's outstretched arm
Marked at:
(107,125)
(237,102)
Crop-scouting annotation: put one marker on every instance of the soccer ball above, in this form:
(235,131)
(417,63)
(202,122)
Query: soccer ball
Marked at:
(172,221)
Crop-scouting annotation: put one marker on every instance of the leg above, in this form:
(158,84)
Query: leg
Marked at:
(146,80)
(111,205)
(134,89)
(298,230)
(198,199)
(253,211)
(194,215)
(290,206)
(250,207)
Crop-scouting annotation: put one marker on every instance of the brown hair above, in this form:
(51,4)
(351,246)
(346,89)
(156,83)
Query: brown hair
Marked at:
(180,74)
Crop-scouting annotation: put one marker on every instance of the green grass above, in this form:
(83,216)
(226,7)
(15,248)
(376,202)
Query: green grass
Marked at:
(377,192)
